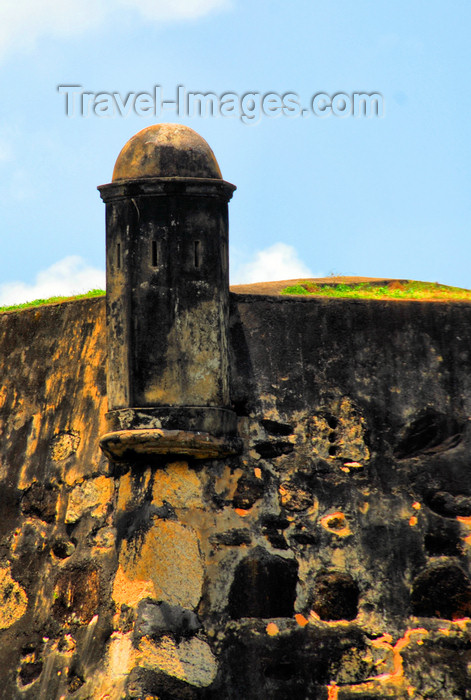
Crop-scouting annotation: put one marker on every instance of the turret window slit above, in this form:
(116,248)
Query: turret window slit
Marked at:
(197,253)
(155,254)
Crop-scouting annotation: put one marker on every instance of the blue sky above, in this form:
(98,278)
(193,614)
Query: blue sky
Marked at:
(385,196)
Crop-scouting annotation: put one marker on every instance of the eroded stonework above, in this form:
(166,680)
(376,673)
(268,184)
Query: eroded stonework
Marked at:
(330,560)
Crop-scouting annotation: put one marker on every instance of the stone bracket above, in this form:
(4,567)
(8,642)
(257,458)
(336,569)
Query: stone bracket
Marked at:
(125,445)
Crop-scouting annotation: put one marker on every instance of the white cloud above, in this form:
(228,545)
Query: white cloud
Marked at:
(71,275)
(23,22)
(278,262)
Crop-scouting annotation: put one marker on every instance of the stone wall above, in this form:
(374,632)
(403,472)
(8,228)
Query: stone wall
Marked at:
(329,560)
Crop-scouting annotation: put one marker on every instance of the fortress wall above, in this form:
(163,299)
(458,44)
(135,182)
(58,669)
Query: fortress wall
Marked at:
(53,395)
(358,418)
(395,358)
(329,560)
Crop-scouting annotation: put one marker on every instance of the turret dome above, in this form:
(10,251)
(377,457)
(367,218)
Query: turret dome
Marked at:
(166,150)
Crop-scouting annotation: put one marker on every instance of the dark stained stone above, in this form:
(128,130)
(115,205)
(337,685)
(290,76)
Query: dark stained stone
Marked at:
(273,449)
(448,505)
(157,618)
(336,596)
(77,594)
(249,490)
(431,433)
(442,590)
(232,538)
(29,672)
(143,683)
(276,428)
(264,585)
(40,500)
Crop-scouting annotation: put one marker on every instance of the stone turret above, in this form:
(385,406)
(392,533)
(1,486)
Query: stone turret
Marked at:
(167,285)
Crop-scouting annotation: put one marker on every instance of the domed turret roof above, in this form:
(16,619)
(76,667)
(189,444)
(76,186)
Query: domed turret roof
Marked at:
(166,150)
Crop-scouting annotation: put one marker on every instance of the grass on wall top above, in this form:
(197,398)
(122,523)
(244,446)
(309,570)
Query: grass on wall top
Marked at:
(420,291)
(51,300)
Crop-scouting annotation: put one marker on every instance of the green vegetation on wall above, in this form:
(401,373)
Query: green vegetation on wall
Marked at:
(420,291)
(52,300)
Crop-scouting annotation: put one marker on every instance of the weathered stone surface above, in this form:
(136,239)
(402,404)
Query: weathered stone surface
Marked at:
(174,352)
(29,541)
(147,683)
(104,538)
(263,586)
(295,498)
(92,496)
(42,402)
(389,511)
(13,599)
(40,500)
(177,485)
(29,672)
(166,150)
(132,488)
(144,445)
(276,428)
(191,661)
(442,590)
(155,619)
(281,665)
(336,596)
(64,445)
(339,432)
(449,505)
(431,433)
(76,594)
(63,548)
(164,565)
(112,678)
(232,538)
(273,448)
(249,490)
